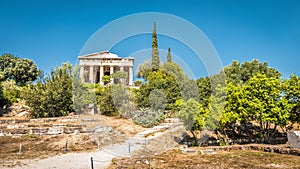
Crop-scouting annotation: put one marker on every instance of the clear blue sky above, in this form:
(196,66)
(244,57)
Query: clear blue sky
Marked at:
(53,32)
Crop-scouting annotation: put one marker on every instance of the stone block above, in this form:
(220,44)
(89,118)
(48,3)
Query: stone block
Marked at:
(208,151)
(55,130)
(294,139)
(12,126)
(38,131)
(103,129)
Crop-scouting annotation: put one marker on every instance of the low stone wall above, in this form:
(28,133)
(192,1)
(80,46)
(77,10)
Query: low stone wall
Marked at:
(68,119)
(282,149)
(45,129)
(41,126)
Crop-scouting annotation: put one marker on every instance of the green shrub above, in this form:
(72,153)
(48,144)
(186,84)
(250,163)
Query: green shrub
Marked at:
(11,91)
(31,136)
(138,83)
(148,117)
(114,100)
(91,85)
(3,100)
(223,142)
(106,103)
(127,110)
(52,98)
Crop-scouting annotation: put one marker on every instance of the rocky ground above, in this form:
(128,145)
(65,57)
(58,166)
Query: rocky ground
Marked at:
(103,131)
(235,159)
(40,147)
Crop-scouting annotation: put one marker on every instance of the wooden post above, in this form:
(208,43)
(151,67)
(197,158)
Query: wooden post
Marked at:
(66,150)
(20,150)
(92,164)
(129,147)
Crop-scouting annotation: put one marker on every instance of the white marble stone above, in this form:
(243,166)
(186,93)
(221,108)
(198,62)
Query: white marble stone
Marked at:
(294,139)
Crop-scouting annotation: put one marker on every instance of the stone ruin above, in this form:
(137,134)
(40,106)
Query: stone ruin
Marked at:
(42,126)
(294,139)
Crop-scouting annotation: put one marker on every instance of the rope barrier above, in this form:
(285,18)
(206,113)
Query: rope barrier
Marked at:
(112,153)
(101,161)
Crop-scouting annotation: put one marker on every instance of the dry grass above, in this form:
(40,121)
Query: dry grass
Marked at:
(40,147)
(34,146)
(234,159)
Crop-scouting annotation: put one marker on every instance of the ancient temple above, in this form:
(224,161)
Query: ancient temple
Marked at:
(96,65)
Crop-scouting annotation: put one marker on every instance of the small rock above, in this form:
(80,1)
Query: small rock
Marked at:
(76,131)
(102,129)
(208,151)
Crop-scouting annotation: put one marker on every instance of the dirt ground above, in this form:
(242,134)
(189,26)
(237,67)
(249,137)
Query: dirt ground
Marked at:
(40,147)
(35,146)
(125,126)
(223,160)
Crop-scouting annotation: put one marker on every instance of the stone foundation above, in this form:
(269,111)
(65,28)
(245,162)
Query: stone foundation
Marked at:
(281,149)
(41,126)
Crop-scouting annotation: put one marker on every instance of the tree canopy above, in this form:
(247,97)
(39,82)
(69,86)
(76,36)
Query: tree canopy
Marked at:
(144,69)
(291,89)
(21,70)
(238,73)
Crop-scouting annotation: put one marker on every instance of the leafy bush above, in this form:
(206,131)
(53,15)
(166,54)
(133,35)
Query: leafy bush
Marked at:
(105,102)
(127,110)
(138,83)
(148,117)
(91,85)
(114,100)
(3,100)
(106,79)
(83,94)
(53,97)
(11,91)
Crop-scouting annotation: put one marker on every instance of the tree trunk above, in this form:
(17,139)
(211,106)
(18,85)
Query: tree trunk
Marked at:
(274,129)
(261,130)
(194,136)
(283,128)
(268,132)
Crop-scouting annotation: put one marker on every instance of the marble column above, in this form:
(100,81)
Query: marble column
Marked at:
(95,74)
(101,74)
(111,72)
(81,74)
(122,80)
(91,75)
(130,76)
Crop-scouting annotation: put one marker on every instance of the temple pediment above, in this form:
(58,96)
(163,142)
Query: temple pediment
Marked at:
(99,55)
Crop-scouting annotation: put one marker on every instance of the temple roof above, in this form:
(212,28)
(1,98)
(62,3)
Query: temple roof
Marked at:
(100,55)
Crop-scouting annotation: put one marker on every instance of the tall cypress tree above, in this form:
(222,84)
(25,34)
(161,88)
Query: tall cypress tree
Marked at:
(169,59)
(155,58)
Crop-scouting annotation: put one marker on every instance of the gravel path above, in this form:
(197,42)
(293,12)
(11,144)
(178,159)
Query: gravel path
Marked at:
(70,161)
(102,158)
